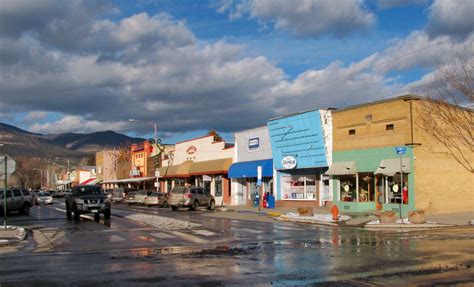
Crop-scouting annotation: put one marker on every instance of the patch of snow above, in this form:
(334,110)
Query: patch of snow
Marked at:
(162,222)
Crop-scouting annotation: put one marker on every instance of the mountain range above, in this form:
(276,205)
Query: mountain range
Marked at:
(17,142)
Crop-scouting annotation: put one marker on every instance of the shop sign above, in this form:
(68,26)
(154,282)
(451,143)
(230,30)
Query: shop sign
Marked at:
(259,175)
(288,162)
(191,150)
(206,178)
(254,143)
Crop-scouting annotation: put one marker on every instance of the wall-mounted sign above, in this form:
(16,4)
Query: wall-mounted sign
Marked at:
(254,143)
(206,178)
(288,162)
(191,150)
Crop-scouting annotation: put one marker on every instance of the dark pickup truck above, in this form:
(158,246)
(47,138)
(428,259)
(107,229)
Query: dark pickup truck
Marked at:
(87,199)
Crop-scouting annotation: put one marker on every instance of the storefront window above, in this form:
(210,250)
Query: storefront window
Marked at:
(299,187)
(366,187)
(395,192)
(218,185)
(199,181)
(348,188)
(169,183)
(179,182)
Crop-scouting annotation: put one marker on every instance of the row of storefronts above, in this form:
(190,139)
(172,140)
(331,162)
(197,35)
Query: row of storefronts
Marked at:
(362,158)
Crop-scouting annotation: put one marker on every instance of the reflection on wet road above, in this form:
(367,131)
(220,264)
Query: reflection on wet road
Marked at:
(214,251)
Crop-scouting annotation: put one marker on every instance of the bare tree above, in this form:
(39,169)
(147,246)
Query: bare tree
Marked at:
(447,114)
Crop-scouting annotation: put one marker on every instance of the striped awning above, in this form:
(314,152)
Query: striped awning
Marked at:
(91,181)
(211,166)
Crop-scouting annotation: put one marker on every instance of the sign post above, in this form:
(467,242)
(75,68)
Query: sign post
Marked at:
(401,150)
(8,168)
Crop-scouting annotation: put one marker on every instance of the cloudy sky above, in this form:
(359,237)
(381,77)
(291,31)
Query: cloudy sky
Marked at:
(229,65)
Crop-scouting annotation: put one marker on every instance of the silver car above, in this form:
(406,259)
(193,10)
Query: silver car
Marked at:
(137,197)
(191,197)
(157,199)
(44,198)
(18,199)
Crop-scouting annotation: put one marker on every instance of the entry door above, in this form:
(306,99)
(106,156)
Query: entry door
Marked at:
(379,192)
(326,192)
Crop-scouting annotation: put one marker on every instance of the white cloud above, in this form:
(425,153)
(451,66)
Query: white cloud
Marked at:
(35,116)
(306,17)
(77,124)
(448,17)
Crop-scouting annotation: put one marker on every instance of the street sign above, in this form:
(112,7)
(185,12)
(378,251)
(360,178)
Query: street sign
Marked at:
(11,165)
(400,149)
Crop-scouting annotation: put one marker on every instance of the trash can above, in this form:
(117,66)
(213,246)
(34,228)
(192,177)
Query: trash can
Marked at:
(271,201)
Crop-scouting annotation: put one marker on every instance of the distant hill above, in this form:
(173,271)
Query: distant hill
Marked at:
(18,142)
(92,142)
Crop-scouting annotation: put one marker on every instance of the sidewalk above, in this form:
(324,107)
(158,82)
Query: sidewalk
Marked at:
(13,234)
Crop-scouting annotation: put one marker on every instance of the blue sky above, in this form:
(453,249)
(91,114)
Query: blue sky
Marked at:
(191,66)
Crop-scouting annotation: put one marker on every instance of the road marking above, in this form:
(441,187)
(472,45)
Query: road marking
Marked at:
(189,237)
(251,230)
(161,235)
(287,228)
(116,238)
(59,209)
(204,232)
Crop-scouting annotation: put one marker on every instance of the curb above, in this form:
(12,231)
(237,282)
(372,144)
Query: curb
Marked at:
(20,235)
(398,226)
(316,222)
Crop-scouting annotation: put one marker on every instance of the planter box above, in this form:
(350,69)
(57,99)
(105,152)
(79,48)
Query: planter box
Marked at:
(305,211)
(387,217)
(416,216)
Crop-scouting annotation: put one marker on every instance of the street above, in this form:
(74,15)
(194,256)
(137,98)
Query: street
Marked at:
(218,248)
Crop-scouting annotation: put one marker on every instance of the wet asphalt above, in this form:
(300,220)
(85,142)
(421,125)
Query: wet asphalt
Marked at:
(224,252)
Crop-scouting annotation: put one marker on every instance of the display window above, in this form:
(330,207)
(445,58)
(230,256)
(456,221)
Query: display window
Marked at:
(366,187)
(395,191)
(348,188)
(300,187)
(218,185)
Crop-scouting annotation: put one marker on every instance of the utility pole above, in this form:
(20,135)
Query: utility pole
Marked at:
(5,183)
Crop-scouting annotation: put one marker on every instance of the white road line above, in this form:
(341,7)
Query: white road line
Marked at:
(251,230)
(204,232)
(116,238)
(161,235)
(59,209)
(189,237)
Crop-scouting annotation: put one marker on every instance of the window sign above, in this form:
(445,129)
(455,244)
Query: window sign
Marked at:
(254,143)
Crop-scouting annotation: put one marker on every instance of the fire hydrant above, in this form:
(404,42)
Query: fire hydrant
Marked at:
(335,212)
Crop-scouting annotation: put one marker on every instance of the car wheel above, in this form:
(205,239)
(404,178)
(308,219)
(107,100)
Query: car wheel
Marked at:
(68,213)
(107,213)
(77,214)
(174,208)
(211,206)
(195,205)
(97,216)
(25,209)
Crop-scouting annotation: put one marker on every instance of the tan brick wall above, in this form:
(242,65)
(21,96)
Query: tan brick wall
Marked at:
(370,124)
(442,185)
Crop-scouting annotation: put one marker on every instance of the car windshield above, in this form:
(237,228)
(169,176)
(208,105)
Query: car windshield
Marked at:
(44,194)
(82,190)
(154,194)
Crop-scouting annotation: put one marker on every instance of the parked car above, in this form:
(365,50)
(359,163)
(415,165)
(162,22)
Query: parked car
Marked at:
(137,197)
(157,199)
(119,194)
(44,198)
(87,199)
(18,199)
(191,197)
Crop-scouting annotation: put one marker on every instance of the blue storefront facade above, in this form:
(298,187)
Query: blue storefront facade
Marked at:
(302,151)
(252,154)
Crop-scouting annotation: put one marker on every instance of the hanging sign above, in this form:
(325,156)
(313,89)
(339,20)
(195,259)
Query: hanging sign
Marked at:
(206,178)
(259,175)
(288,162)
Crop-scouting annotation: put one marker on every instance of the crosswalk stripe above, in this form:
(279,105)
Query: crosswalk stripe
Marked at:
(161,235)
(116,238)
(204,232)
(189,237)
